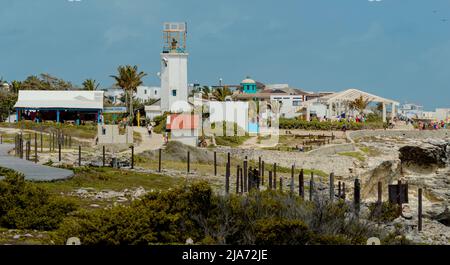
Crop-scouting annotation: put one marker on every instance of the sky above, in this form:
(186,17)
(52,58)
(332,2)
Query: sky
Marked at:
(399,49)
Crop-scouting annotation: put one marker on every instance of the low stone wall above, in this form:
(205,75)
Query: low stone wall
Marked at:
(334,163)
(333,149)
(412,134)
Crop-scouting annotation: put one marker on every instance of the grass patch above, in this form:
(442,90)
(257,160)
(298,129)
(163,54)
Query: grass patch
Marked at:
(370,151)
(356,155)
(81,131)
(233,141)
(113,179)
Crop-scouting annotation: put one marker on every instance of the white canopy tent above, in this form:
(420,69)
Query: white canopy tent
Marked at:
(56,101)
(337,103)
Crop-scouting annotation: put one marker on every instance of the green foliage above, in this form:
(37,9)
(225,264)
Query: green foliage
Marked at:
(282,232)
(356,155)
(26,206)
(90,84)
(160,123)
(386,212)
(194,211)
(327,125)
(7,101)
(221,93)
(81,131)
(374,117)
(45,82)
(238,135)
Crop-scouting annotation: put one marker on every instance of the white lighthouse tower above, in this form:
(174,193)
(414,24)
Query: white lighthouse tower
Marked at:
(174,85)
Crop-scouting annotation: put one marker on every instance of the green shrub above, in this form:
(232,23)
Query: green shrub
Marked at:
(386,212)
(282,232)
(327,125)
(194,211)
(24,205)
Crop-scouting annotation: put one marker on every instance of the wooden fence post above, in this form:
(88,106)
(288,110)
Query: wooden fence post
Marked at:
(331,187)
(79,155)
(42,145)
(227,179)
(35,148)
(274,182)
(420,210)
(380,193)
(281,184)
(311,187)
(301,185)
(343,191)
(245,175)
(270,180)
(132,157)
(188,162)
(262,173)
(237,179)
(357,196)
(59,152)
(215,163)
(103,156)
(159,159)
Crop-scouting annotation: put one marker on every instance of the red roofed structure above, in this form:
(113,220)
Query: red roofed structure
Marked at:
(182,122)
(184,128)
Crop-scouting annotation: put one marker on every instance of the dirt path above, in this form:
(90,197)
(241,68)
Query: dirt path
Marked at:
(153,142)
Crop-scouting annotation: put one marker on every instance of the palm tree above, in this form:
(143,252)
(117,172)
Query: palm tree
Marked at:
(359,104)
(221,93)
(129,78)
(90,84)
(206,92)
(15,86)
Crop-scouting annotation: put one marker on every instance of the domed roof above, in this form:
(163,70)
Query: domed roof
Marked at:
(248,81)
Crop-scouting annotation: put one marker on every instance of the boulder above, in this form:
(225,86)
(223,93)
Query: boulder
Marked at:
(424,155)
(443,218)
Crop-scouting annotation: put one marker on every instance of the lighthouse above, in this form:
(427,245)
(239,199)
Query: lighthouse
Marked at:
(174,84)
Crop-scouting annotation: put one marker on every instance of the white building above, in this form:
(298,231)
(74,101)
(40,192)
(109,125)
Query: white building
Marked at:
(411,110)
(152,111)
(145,93)
(114,94)
(290,105)
(174,85)
(443,114)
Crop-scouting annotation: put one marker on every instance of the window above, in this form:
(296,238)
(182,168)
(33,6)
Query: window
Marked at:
(296,103)
(156,92)
(145,91)
(174,93)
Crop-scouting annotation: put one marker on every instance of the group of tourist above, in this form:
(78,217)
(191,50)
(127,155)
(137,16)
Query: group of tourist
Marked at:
(434,125)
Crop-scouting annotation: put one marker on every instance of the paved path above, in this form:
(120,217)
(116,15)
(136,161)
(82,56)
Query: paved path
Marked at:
(32,171)
(153,142)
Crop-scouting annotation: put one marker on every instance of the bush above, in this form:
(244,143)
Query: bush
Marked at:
(282,232)
(386,212)
(195,212)
(24,205)
(327,125)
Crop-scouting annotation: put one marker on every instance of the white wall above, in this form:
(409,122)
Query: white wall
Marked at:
(112,135)
(288,110)
(145,93)
(187,136)
(319,109)
(229,111)
(173,77)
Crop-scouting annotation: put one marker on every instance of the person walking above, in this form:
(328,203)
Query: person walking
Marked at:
(149,129)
